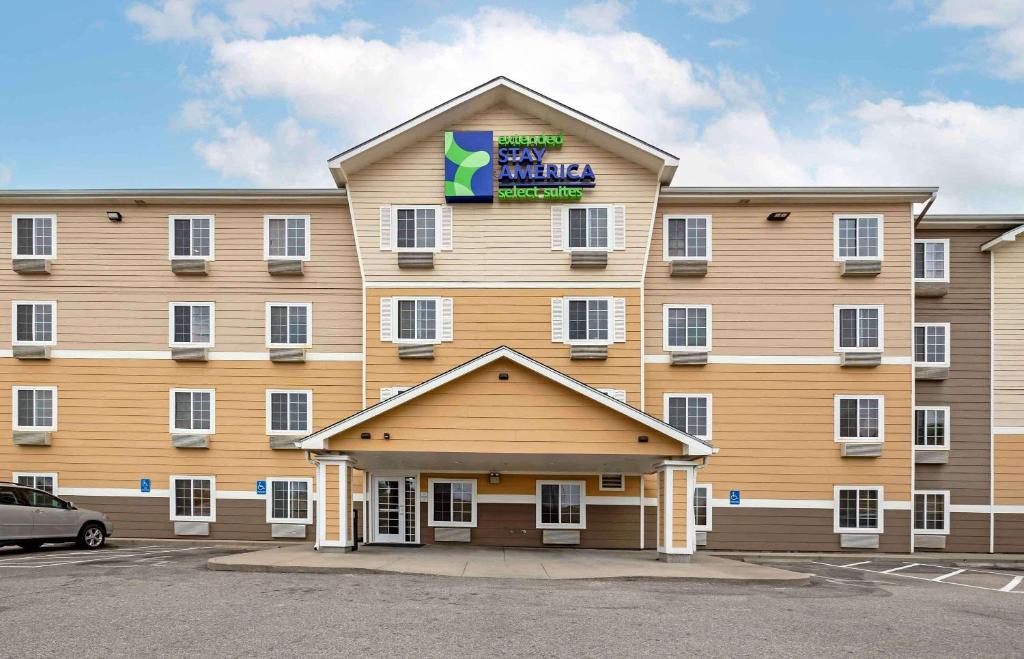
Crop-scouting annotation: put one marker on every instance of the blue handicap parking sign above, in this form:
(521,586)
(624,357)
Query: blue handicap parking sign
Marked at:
(734,497)
(261,487)
(145,486)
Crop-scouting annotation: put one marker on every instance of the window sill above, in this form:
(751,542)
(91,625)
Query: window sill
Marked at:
(926,288)
(32,437)
(189,266)
(31,265)
(285,266)
(451,525)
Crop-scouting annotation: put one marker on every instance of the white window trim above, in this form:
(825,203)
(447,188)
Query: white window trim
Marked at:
(266,236)
(34,474)
(881,419)
(310,500)
(945,439)
(664,237)
(213,499)
(622,482)
(611,228)
(170,325)
(945,262)
(14,323)
(704,527)
(438,319)
(665,333)
(859,216)
(309,412)
(213,412)
(881,509)
(430,515)
(949,345)
(309,324)
(14,409)
(588,342)
(437,228)
(583,505)
(14,235)
(835,327)
(670,395)
(170,237)
(945,513)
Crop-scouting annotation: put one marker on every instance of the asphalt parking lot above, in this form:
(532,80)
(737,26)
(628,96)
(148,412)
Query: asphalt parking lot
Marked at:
(161,601)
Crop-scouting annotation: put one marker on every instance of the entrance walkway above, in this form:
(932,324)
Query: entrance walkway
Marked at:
(500,562)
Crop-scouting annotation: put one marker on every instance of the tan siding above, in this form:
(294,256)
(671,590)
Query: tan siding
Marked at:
(1008,335)
(504,240)
(773,426)
(527,414)
(485,319)
(113,426)
(1009,472)
(773,285)
(112,281)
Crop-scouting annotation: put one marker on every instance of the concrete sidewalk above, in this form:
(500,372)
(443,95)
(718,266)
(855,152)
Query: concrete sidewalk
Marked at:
(505,563)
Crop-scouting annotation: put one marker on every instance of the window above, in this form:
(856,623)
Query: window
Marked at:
(288,324)
(417,320)
(858,237)
(858,328)
(687,328)
(931,427)
(192,411)
(931,512)
(931,344)
(690,413)
(34,323)
(191,237)
(452,502)
(612,483)
(35,408)
(931,260)
(34,236)
(193,499)
(858,509)
(288,501)
(289,412)
(588,320)
(588,227)
(860,418)
(286,237)
(702,507)
(561,505)
(191,324)
(416,228)
(44,482)
(688,238)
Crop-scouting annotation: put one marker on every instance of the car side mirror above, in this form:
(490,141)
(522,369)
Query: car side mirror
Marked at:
(71,506)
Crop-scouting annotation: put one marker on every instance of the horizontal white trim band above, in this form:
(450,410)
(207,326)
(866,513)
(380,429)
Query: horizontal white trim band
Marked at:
(797,504)
(775,359)
(503,284)
(590,500)
(1008,430)
(964,508)
(213,356)
(158,493)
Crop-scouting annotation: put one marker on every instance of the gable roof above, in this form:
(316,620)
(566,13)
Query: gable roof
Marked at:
(502,89)
(1008,237)
(318,440)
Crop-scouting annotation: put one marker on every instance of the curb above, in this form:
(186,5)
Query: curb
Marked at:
(979,560)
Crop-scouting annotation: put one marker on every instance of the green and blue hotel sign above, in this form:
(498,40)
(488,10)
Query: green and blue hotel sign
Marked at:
(523,175)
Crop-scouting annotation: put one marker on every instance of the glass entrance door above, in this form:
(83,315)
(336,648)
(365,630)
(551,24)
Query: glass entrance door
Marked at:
(394,509)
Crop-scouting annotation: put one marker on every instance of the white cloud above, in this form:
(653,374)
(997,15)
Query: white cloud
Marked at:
(718,11)
(1003,22)
(5,174)
(181,20)
(292,157)
(600,16)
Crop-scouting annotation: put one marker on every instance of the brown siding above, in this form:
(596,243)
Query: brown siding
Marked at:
(968,532)
(1009,533)
(773,529)
(967,308)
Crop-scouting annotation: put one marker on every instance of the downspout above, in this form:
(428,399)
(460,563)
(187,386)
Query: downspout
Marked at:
(924,211)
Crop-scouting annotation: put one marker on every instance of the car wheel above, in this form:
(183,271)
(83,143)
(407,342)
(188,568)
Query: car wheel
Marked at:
(91,536)
(30,545)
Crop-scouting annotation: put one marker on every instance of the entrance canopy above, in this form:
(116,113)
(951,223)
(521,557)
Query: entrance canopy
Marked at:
(504,411)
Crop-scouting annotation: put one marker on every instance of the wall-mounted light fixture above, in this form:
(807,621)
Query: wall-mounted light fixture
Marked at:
(114,216)
(494,478)
(502,376)
(642,439)
(778,216)
(364,435)
(387,435)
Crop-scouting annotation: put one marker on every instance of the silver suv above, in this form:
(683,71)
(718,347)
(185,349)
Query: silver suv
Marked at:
(30,517)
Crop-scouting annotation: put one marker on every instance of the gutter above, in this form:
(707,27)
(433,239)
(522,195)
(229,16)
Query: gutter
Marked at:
(924,211)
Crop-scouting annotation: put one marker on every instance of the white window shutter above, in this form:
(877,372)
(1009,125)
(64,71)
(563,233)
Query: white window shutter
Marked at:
(619,213)
(447,318)
(386,327)
(385,228)
(447,213)
(620,319)
(557,330)
(557,243)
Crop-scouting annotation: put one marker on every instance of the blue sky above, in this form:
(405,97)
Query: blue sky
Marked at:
(196,93)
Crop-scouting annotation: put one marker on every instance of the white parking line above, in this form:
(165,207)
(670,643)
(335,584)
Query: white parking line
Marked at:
(1013,584)
(1015,580)
(951,574)
(897,569)
(852,564)
(55,559)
